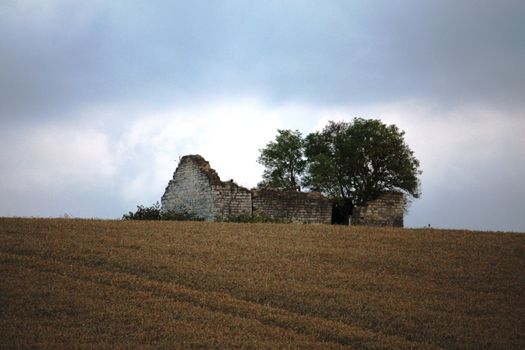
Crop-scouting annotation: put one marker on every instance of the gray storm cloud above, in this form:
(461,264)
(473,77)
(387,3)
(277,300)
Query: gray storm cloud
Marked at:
(58,57)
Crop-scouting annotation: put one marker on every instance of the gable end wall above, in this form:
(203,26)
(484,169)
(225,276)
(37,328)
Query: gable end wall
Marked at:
(189,192)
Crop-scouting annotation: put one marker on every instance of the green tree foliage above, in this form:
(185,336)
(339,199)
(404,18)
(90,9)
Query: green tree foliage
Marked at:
(284,161)
(354,162)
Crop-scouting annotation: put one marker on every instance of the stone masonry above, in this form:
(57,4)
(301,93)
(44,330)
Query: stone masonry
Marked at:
(386,210)
(290,206)
(197,190)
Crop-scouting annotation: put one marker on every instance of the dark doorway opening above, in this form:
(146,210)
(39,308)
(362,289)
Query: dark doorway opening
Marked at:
(341,214)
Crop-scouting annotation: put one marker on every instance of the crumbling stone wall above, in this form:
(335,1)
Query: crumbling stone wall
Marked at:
(196,189)
(386,210)
(299,207)
(231,200)
(190,190)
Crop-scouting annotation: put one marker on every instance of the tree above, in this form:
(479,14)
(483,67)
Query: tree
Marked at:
(284,161)
(354,162)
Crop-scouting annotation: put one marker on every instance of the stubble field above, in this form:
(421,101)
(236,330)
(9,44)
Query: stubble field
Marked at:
(67,283)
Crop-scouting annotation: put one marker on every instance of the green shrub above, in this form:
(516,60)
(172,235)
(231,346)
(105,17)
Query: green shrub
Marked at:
(154,212)
(144,213)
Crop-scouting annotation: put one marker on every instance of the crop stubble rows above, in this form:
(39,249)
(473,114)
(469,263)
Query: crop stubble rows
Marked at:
(84,283)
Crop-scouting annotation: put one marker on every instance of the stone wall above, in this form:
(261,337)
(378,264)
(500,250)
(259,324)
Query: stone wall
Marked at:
(196,189)
(387,210)
(190,189)
(299,207)
(231,200)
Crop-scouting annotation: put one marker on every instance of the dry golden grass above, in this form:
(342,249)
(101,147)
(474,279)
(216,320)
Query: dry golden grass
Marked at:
(103,284)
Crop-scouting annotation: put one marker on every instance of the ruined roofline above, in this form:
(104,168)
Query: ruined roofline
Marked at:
(206,169)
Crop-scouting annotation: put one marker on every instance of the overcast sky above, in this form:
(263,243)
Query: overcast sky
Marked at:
(99,99)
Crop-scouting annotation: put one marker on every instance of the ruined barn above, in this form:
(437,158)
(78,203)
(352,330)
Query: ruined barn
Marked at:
(196,190)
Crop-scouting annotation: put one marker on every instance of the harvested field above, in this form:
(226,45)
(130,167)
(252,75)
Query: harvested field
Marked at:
(68,283)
